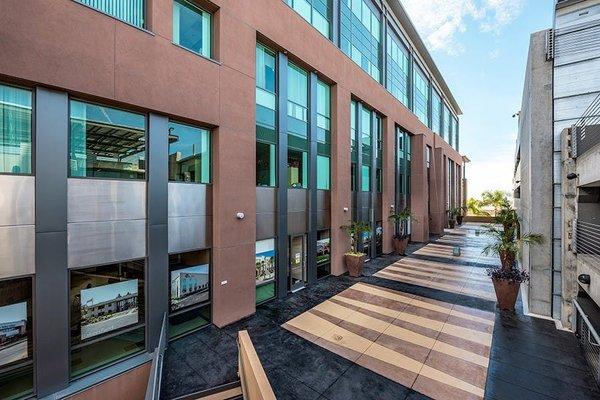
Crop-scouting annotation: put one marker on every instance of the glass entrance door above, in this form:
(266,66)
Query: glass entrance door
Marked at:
(297,262)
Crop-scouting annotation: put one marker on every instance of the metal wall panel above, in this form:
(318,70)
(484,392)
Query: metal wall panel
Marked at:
(17,200)
(94,243)
(105,200)
(266,213)
(189,233)
(297,211)
(323,209)
(378,208)
(574,79)
(17,250)
(572,107)
(297,222)
(297,200)
(187,199)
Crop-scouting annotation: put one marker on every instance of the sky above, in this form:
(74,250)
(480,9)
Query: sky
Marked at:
(480,47)
(108,292)
(13,312)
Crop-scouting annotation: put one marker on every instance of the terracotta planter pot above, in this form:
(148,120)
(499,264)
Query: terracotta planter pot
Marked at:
(355,264)
(400,245)
(507,259)
(506,293)
(459,220)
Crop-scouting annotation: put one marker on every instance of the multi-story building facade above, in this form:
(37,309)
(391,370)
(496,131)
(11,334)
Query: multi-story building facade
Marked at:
(145,139)
(555,182)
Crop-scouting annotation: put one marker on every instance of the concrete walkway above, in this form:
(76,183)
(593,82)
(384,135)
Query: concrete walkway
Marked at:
(424,326)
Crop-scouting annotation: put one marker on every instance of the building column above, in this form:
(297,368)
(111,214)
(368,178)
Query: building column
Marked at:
(157,270)
(341,195)
(51,284)
(374,197)
(358,195)
(419,190)
(282,171)
(388,197)
(311,257)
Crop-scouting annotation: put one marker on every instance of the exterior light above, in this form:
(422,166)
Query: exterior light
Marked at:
(240,215)
(572,176)
(584,278)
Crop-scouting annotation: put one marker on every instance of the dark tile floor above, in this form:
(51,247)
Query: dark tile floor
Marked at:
(530,359)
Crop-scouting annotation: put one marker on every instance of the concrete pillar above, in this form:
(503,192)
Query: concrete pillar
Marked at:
(419,190)
(389,181)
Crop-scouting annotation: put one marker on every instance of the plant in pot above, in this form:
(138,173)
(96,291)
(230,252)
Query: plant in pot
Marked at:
(353,259)
(507,244)
(452,214)
(400,238)
(460,215)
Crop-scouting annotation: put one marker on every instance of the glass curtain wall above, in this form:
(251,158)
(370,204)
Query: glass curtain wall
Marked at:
(420,95)
(316,12)
(189,292)
(189,154)
(297,121)
(436,112)
(456,135)
(266,108)
(107,315)
(323,136)
(353,146)
(16,338)
(106,142)
(366,136)
(360,35)
(192,27)
(397,67)
(130,11)
(403,163)
(446,123)
(15,130)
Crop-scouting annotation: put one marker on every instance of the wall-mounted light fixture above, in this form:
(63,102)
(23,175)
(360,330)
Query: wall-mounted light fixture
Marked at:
(345,209)
(572,176)
(240,215)
(584,278)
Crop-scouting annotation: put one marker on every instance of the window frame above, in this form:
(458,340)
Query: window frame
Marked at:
(192,5)
(143,27)
(210,153)
(32,133)
(146,137)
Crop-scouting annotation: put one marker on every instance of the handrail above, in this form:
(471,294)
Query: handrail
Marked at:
(587,239)
(255,384)
(155,377)
(587,129)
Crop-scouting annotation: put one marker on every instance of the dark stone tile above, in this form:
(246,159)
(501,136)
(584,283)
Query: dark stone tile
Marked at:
(497,389)
(179,379)
(286,387)
(360,383)
(414,395)
(216,369)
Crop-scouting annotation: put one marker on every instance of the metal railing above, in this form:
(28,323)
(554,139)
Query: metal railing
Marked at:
(588,339)
(587,240)
(586,130)
(155,377)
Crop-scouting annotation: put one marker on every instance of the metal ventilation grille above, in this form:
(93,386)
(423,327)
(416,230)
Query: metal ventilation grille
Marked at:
(589,341)
(549,44)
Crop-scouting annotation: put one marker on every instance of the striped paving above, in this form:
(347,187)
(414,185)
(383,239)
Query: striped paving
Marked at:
(436,348)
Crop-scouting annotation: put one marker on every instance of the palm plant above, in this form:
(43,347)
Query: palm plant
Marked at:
(355,229)
(507,245)
(400,219)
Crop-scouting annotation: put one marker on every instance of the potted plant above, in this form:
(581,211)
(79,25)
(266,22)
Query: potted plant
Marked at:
(353,259)
(452,214)
(507,244)
(460,215)
(400,238)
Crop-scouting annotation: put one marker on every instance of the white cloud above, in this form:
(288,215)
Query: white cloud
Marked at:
(440,21)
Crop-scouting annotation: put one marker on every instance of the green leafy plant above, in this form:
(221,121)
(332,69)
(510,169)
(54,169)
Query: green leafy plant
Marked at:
(400,219)
(354,230)
(497,199)
(474,208)
(455,212)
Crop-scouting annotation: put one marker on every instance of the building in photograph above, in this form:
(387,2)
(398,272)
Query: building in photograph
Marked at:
(185,284)
(556,168)
(108,307)
(11,331)
(135,131)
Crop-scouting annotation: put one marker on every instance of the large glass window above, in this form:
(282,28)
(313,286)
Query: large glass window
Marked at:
(130,11)
(15,130)
(446,126)
(189,154)
(360,35)
(456,135)
(367,146)
(398,64)
(107,314)
(323,253)
(316,12)
(189,292)
(16,338)
(265,270)
(191,27)
(266,137)
(297,101)
(297,169)
(420,95)
(323,136)
(106,142)
(379,154)
(353,145)
(436,112)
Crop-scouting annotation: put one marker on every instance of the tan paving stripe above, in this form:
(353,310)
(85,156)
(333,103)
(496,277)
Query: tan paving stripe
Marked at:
(435,264)
(432,271)
(470,322)
(368,306)
(441,391)
(458,368)
(476,348)
(419,282)
(345,338)
(402,376)
(383,293)
(312,324)
(392,357)
(409,336)
(468,334)
(419,272)
(473,312)
(443,377)
(463,354)
(357,295)
(335,310)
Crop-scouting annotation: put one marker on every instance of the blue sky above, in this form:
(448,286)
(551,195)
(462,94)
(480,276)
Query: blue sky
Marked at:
(481,46)
(108,292)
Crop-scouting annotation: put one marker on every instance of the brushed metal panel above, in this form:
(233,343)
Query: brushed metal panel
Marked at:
(266,200)
(573,79)
(378,208)
(297,200)
(17,200)
(95,200)
(572,107)
(93,243)
(297,222)
(323,200)
(266,225)
(189,199)
(323,219)
(17,250)
(190,233)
